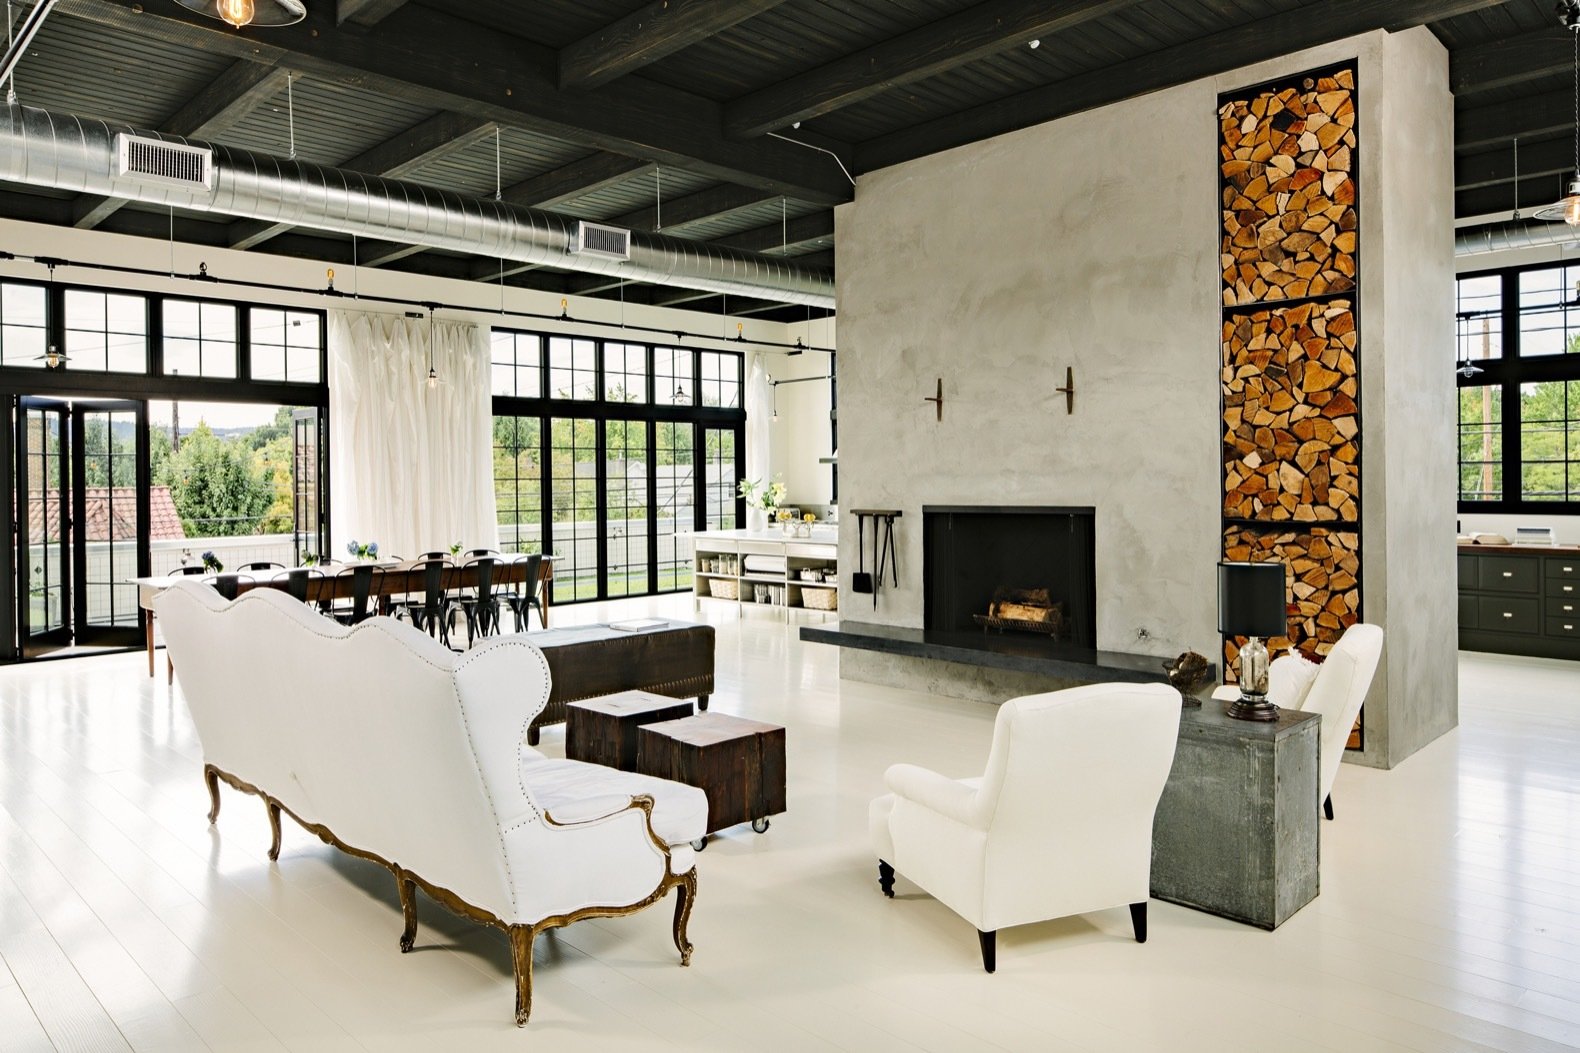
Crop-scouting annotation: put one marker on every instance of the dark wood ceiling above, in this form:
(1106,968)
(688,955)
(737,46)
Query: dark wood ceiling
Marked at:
(670,113)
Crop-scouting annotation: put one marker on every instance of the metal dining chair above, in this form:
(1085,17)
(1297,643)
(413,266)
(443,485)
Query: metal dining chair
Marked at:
(481,605)
(262,564)
(366,585)
(432,612)
(530,594)
(228,585)
(189,570)
(297,580)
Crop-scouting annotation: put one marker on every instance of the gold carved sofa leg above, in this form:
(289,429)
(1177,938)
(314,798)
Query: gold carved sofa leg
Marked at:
(273,807)
(521,955)
(408,909)
(685,895)
(211,777)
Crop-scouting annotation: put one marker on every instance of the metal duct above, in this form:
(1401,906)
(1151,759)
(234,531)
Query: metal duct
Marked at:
(74,153)
(1501,237)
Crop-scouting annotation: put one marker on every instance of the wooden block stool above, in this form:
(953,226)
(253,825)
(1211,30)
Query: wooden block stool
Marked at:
(603,730)
(738,763)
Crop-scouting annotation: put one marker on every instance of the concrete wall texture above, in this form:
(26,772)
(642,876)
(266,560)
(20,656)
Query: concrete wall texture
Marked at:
(1091,242)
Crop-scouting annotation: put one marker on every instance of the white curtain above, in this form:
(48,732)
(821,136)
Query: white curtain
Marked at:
(759,414)
(410,465)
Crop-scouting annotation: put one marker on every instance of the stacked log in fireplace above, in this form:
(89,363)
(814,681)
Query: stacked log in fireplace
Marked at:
(1023,610)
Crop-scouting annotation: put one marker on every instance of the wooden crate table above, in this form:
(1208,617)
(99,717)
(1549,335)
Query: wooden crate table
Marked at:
(738,763)
(603,730)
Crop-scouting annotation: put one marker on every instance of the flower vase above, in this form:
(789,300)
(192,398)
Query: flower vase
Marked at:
(757,520)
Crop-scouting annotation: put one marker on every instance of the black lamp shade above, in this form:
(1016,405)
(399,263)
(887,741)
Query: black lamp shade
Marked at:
(1251,599)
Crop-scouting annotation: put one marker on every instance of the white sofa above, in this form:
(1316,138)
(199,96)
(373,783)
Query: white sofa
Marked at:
(1060,823)
(391,747)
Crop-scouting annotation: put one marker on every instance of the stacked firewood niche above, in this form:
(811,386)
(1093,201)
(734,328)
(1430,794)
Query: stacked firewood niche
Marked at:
(1291,346)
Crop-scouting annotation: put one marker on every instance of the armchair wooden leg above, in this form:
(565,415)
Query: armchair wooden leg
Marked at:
(685,895)
(521,955)
(211,777)
(1138,921)
(886,878)
(408,910)
(1327,806)
(989,941)
(702,703)
(533,735)
(273,807)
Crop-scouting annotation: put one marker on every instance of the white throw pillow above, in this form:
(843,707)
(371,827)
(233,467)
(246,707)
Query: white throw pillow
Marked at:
(1289,678)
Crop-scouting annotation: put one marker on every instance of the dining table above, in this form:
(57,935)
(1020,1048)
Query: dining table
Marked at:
(333,582)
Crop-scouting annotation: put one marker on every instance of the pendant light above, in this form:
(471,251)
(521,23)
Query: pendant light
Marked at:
(1466,368)
(1568,209)
(239,13)
(433,374)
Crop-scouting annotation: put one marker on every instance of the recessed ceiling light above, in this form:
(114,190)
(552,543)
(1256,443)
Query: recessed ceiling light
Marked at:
(1034,45)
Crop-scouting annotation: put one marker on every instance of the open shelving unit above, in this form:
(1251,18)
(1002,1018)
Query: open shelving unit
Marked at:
(788,591)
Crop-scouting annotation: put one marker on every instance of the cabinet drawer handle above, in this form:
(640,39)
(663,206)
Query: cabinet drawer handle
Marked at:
(1569,570)
(1508,614)
(1569,606)
(1569,588)
(1569,628)
(1508,574)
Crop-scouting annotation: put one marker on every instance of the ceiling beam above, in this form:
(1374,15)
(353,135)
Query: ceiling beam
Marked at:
(389,254)
(1509,61)
(580,177)
(655,31)
(393,158)
(224,103)
(1266,38)
(422,143)
(980,31)
(1490,200)
(424,56)
(712,203)
(774,236)
(1492,167)
(364,12)
(1498,124)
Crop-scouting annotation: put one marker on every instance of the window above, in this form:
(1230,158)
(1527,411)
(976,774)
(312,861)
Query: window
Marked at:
(23,338)
(573,369)
(517,364)
(624,373)
(286,345)
(609,485)
(1549,311)
(518,482)
(199,339)
(673,380)
(106,332)
(1518,358)
(721,378)
(1480,318)
(1550,441)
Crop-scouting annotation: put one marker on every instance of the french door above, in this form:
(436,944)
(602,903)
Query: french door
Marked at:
(81,523)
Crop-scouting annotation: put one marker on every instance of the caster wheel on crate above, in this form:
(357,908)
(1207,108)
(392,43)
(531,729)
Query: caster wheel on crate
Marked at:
(700,843)
(759,825)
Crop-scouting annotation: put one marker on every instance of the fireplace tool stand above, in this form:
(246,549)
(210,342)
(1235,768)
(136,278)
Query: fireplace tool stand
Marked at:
(884,556)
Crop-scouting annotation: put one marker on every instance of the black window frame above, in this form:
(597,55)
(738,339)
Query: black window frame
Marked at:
(1507,373)
(650,413)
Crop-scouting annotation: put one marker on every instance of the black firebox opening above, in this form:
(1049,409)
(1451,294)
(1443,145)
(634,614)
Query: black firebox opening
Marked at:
(970,551)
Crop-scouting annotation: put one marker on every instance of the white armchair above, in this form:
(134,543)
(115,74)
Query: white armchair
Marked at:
(1060,823)
(1336,689)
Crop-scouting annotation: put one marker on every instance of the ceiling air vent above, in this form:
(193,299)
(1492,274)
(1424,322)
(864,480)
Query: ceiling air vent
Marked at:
(595,239)
(158,161)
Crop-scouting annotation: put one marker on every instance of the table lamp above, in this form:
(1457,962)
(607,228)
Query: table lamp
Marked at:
(1251,603)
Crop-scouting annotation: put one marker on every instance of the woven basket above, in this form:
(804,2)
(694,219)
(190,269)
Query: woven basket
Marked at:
(820,599)
(725,588)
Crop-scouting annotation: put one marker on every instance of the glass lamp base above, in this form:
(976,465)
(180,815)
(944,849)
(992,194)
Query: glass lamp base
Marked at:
(1252,703)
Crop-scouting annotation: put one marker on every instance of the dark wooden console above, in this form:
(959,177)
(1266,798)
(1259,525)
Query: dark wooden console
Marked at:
(1520,599)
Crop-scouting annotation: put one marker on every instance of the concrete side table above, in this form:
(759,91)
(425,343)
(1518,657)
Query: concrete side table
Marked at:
(1236,829)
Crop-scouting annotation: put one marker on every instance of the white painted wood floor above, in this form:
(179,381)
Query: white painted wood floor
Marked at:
(1449,917)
